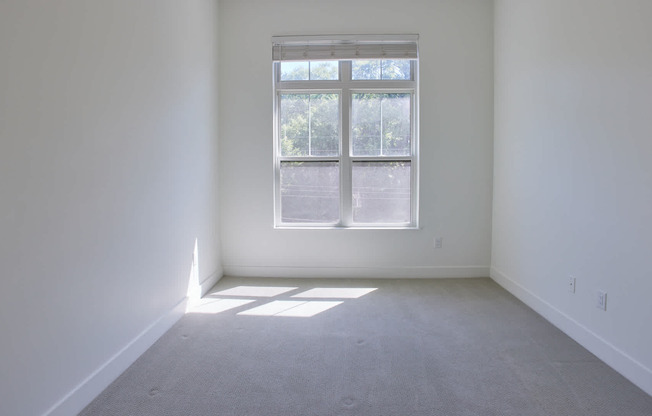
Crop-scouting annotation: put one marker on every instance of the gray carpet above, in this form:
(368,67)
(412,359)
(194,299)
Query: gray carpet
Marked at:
(410,347)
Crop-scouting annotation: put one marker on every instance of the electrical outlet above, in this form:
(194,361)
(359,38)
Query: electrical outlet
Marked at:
(438,241)
(571,284)
(601,300)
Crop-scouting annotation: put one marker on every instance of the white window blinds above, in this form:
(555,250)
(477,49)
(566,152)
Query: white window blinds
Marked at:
(321,48)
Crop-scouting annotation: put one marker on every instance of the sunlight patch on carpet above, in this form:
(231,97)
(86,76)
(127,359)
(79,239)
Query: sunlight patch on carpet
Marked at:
(256,291)
(335,292)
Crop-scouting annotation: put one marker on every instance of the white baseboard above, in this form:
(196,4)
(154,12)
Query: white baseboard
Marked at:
(617,359)
(422,272)
(75,401)
(210,281)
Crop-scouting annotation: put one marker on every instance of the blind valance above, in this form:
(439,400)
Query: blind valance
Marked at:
(320,48)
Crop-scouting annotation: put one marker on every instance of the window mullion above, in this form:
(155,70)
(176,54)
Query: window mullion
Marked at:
(309,125)
(381,119)
(346,192)
(277,147)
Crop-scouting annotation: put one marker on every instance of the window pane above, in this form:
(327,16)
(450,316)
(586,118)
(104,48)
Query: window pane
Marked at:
(381,192)
(361,69)
(310,124)
(381,69)
(324,124)
(295,109)
(324,70)
(381,124)
(294,71)
(310,192)
(396,69)
(365,124)
(396,124)
(310,70)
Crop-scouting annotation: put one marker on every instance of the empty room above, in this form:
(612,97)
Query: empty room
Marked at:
(325,207)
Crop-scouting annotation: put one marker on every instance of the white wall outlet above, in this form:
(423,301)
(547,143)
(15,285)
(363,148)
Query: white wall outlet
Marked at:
(437,242)
(571,284)
(601,300)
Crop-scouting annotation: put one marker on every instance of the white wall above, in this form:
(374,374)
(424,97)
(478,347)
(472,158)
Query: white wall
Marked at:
(573,169)
(456,62)
(107,177)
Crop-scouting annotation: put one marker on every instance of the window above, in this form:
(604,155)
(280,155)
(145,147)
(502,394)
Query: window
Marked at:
(345,131)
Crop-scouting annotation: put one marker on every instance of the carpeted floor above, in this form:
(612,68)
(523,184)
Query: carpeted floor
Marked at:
(409,347)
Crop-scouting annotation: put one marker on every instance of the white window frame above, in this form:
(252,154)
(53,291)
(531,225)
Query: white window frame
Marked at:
(346,87)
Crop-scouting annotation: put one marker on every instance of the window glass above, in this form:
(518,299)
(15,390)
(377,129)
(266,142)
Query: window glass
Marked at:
(396,69)
(309,125)
(380,124)
(389,69)
(310,192)
(324,124)
(324,70)
(310,70)
(381,192)
(295,109)
(295,71)
(365,69)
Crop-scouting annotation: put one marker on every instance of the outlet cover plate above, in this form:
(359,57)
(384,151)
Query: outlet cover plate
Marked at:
(601,300)
(571,284)
(438,242)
